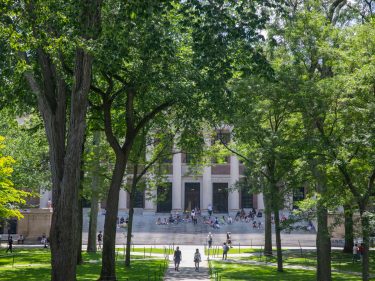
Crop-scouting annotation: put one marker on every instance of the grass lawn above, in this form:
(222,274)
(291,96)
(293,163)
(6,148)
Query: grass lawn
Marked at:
(234,250)
(34,265)
(340,261)
(241,272)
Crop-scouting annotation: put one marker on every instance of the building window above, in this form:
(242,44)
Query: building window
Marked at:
(164,198)
(298,195)
(246,198)
(220,197)
(139,200)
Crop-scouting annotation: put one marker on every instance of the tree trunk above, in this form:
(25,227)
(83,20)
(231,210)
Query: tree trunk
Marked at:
(79,231)
(65,193)
(267,225)
(349,237)
(323,245)
(278,240)
(65,149)
(91,243)
(130,226)
(365,224)
(80,209)
(108,272)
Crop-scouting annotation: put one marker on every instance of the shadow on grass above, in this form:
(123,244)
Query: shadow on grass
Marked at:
(35,266)
(240,272)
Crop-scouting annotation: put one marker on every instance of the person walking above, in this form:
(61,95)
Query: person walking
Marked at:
(100,240)
(177,258)
(225,250)
(209,209)
(229,239)
(361,249)
(10,245)
(209,240)
(197,259)
(355,253)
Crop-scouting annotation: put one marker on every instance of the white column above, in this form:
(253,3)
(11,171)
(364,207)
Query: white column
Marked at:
(260,201)
(150,194)
(207,188)
(150,205)
(234,195)
(122,200)
(45,195)
(177,183)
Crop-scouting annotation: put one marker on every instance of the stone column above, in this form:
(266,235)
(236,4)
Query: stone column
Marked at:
(150,195)
(260,201)
(234,195)
(207,188)
(150,204)
(45,195)
(177,183)
(207,179)
(122,200)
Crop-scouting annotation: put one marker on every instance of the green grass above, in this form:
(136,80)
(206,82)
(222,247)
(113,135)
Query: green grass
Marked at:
(234,250)
(241,272)
(34,265)
(340,261)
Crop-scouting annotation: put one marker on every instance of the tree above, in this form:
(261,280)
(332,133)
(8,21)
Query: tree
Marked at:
(10,198)
(160,144)
(263,139)
(349,144)
(27,144)
(39,36)
(303,30)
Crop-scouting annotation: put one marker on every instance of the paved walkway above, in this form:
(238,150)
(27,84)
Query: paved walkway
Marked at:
(187,270)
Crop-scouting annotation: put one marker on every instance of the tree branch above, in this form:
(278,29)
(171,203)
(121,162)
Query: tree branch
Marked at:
(152,114)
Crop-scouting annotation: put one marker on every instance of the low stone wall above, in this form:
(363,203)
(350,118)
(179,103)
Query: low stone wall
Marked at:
(34,223)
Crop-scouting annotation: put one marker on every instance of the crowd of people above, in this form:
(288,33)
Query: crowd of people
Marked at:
(194,216)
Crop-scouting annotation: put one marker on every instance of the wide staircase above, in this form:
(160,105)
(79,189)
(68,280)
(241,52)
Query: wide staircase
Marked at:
(146,231)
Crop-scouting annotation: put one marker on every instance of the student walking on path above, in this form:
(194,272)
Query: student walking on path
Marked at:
(197,259)
(190,268)
(177,259)
(225,251)
(100,240)
(10,245)
(209,240)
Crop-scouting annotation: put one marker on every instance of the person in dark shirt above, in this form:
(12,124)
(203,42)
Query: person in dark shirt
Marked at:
(177,259)
(10,244)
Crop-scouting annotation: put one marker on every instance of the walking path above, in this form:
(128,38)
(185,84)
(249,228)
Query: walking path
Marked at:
(187,270)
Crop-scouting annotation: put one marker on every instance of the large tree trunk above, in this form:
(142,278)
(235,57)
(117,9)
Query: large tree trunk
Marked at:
(80,209)
(65,150)
(323,237)
(64,219)
(278,240)
(93,221)
(349,237)
(323,245)
(108,272)
(365,224)
(267,225)
(130,227)
(79,231)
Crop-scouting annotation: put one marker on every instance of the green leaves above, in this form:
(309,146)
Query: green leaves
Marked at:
(10,197)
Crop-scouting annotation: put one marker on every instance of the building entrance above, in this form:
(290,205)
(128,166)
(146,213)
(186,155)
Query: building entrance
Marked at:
(164,198)
(192,195)
(220,197)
